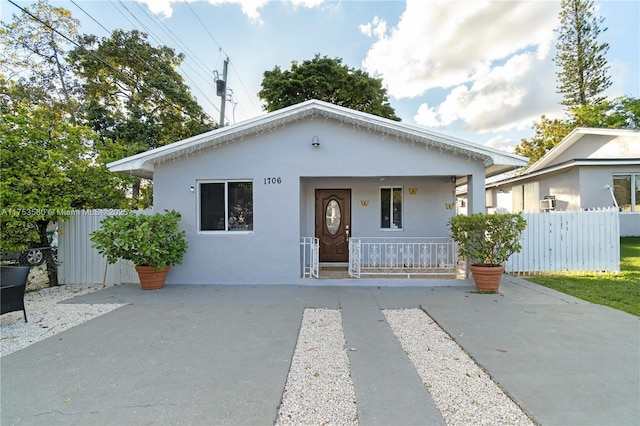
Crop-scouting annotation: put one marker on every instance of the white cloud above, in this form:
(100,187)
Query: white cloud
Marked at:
(441,43)
(307,3)
(377,28)
(249,7)
(502,143)
(492,57)
(499,98)
(160,7)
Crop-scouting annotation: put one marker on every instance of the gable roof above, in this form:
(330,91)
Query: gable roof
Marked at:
(571,139)
(547,164)
(142,164)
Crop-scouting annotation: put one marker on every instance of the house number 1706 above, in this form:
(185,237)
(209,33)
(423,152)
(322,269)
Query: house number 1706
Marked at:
(272,180)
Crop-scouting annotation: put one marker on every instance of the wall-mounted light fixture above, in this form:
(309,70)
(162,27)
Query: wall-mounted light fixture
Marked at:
(315,142)
(192,188)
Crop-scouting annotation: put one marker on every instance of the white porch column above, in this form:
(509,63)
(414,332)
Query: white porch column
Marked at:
(476,201)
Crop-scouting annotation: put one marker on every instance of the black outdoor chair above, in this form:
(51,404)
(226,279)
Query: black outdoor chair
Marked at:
(13,281)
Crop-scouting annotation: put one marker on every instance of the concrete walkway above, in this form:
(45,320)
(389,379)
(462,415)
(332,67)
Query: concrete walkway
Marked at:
(221,354)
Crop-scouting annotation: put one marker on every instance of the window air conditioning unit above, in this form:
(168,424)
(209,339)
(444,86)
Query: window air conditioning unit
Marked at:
(548,204)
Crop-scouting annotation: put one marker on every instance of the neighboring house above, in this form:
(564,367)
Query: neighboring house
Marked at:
(250,193)
(589,169)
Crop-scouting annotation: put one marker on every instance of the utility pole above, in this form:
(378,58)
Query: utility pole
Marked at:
(221,90)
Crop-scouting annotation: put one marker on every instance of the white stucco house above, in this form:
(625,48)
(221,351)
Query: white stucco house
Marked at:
(590,168)
(266,200)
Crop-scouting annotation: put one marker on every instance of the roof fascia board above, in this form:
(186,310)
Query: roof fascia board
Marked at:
(255,126)
(567,165)
(575,135)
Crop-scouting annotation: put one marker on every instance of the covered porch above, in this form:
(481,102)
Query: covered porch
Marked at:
(368,227)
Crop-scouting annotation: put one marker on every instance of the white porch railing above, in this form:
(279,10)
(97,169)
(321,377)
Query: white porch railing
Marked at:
(310,256)
(401,256)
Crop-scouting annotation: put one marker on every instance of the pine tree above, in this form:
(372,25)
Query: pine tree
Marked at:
(584,70)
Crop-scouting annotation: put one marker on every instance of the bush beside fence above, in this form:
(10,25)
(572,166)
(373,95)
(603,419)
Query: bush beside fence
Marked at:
(80,263)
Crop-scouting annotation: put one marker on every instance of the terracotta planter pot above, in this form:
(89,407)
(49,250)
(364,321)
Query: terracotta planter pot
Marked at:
(487,278)
(150,278)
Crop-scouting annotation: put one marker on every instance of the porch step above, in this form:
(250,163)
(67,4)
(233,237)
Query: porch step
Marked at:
(333,271)
(342,272)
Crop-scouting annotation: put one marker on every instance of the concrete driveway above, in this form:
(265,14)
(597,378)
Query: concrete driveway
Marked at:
(221,354)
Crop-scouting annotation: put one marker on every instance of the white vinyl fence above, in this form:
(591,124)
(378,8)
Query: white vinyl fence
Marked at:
(82,264)
(569,242)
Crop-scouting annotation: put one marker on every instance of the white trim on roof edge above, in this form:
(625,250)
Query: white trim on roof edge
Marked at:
(142,164)
(575,135)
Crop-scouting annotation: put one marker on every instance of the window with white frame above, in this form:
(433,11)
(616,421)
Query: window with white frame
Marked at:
(626,190)
(226,206)
(391,208)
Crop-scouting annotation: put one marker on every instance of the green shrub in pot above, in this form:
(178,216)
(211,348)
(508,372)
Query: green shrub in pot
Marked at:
(487,239)
(146,240)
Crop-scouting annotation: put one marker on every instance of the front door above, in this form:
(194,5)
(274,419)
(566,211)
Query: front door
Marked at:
(333,224)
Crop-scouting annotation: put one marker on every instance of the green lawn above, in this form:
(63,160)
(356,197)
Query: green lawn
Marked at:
(618,291)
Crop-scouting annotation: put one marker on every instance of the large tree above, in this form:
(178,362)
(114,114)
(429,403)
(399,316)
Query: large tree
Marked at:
(134,96)
(583,74)
(325,79)
(35,44)
(582,78)
(48,166)
(621,112)
(548,132)
(47,169)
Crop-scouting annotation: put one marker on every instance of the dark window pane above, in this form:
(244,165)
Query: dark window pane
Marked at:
(637,208)
(240,206)
(397,208)
(385,206)
(622,192)
(212,206)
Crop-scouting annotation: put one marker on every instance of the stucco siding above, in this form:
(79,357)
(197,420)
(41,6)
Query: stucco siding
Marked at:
(566,187)
(601,146)
(428,203)
(286,170)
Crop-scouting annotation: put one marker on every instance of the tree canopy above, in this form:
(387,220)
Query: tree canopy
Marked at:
(621,112)
(65,113)
(583,74)
(134,96)
(47,169)
(35,44)
(133,92)
(582,79)
(548,133)
(325,79)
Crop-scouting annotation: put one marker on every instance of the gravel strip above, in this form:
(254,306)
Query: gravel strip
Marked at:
(47,317)
(461,390)
(319,390)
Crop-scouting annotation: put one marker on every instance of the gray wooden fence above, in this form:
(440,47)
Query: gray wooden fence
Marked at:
(80,263)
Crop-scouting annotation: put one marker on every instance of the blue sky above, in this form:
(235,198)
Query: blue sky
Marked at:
(478,70)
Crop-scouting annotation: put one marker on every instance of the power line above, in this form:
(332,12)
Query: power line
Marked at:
(141,59)
(128,78)
(159,42)
(92,18)
(193,56)
(206,29)
(172,36)
(233,68)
